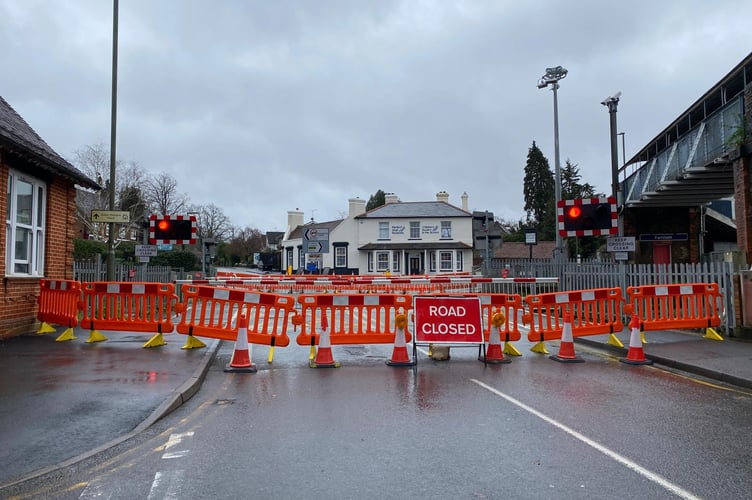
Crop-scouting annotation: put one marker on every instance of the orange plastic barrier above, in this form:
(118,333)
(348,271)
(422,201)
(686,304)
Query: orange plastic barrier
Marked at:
(661,307)
(138,307)
(213,312)
(593,312)
(58,302)
(352,319)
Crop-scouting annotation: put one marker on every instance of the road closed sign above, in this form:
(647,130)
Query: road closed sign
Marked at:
(448,320)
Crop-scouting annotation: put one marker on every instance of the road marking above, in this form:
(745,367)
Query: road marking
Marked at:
(174,440)
(652,476)
(166,485)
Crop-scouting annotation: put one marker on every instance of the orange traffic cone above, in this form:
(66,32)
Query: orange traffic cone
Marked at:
(635,355)
(494,353)
(241,357)
(324,357)
(400,357)
(566,349)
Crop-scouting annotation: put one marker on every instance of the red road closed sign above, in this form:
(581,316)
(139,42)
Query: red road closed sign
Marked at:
(448,320)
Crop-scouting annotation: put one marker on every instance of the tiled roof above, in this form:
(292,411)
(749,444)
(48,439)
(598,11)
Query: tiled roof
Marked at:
(19,138)
(519,250)
(414,209)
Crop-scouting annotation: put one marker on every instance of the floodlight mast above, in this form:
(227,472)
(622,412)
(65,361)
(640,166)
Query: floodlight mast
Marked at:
(552,77)
(612,104)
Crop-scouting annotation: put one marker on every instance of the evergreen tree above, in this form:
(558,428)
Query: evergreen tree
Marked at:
(376,200)
(539,193)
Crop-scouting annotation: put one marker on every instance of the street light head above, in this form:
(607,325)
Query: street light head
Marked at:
(552,76)
(613,100)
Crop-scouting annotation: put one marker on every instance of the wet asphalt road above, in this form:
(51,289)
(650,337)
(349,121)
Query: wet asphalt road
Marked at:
(534,428)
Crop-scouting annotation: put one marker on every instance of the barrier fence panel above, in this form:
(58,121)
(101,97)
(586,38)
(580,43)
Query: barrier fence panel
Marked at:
(213,312)
(351,319)
(661,307)
(139,307)
(58,302)
(593,312)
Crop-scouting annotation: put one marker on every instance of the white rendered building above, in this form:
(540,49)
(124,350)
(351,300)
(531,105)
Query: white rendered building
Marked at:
(426,237)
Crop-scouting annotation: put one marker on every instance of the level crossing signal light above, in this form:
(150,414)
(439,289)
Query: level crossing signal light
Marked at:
(172,229)
(588,217)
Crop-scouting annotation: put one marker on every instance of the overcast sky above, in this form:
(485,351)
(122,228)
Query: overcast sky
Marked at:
(266,106)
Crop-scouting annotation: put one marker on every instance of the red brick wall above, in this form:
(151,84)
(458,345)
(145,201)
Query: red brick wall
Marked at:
(19,294)
(743,186)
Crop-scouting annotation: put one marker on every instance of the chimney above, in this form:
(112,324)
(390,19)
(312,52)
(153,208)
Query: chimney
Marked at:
(390,198)
(442,196)
(357,207)
(294,219)
(464,201)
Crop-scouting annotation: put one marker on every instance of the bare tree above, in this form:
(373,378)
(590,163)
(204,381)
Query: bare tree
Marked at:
(162,197)
(94,161)
(212,222)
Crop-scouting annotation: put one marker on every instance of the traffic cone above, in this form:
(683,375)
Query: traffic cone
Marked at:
(324,357)
(494,354)
(566,349)
(635,355)
(400,357)
(241,357)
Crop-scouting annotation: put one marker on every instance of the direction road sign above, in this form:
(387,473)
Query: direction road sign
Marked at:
(316,234)
(110,216)
(313,247)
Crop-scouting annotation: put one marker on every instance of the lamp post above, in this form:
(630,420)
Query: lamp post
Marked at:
(552,77)
(612,103)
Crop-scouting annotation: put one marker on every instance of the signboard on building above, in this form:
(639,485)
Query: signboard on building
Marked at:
(448,320)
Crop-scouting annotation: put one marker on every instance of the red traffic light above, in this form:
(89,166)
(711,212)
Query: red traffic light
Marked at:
(574,211)
(587,217)
(175,229)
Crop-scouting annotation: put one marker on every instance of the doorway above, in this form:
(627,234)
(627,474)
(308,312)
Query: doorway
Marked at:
(662,254)
(414,265)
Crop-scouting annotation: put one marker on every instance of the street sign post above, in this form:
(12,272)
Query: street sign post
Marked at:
(110,216)
(316,240)
(146,251)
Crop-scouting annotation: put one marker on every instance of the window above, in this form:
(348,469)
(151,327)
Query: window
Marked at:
(301,258)
(370,262)
(340,256)
(396,261)
(445,261)
(383,230)
(382,262)
(459,260)
(25,225)
(432,262)
(288,259)
(446,229)
(415,230)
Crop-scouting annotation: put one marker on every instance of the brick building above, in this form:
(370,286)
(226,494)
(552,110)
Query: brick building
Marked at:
(39,203)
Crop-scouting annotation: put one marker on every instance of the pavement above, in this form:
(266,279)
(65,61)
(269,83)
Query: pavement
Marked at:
(74,399)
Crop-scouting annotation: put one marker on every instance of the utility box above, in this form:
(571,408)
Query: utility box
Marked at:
(745,280)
